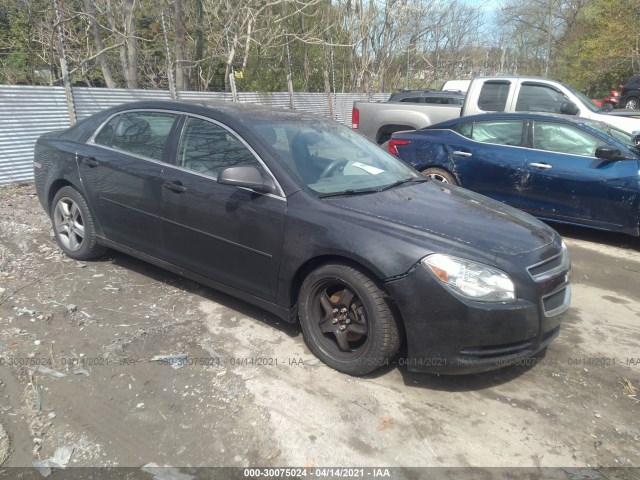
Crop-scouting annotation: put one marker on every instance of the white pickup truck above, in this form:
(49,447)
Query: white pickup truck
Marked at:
(378,121)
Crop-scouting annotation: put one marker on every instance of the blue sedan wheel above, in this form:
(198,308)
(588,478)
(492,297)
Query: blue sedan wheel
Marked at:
(440,175)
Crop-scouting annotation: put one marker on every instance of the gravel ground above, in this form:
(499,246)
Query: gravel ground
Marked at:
(79,343)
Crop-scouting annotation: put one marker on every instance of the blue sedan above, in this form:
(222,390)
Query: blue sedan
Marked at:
(558,168)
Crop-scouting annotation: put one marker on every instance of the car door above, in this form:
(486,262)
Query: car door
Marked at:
(121,167)
(494,162)
(567,182)
(229,234)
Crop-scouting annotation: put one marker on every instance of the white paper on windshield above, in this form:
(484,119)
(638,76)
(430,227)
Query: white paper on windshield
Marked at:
(368,168)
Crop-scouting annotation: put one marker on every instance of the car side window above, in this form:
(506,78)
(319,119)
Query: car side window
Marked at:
(140,133)
(493,96)
(208,148)
(500,132)
(465,129)
(563,138)
(105,135)
(539,98)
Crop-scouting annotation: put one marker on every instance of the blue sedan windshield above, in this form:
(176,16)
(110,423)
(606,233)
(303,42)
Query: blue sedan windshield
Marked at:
(623,137)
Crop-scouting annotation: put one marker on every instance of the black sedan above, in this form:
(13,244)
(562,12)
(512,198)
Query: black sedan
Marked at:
(312,222)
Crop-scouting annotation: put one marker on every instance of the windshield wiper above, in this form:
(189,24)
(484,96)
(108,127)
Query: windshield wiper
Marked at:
(347,193)
(401,182)
(372,190)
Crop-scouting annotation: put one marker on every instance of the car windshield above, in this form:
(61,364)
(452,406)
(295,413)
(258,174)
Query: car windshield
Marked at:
(331,159)
(625,138)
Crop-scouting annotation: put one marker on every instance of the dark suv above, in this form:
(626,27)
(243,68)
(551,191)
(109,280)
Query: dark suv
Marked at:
(630,95)
(428,96)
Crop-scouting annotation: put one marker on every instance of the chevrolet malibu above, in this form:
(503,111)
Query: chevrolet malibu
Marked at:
(310,221)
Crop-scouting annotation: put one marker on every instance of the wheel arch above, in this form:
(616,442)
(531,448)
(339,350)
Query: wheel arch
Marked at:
(55,188)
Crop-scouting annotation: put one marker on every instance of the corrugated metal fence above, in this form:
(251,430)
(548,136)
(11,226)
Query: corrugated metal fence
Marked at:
(27,112)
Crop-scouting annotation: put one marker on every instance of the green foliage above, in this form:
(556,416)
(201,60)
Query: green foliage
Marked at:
(600,50)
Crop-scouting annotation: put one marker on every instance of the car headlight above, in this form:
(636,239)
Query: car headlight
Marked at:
(471,279)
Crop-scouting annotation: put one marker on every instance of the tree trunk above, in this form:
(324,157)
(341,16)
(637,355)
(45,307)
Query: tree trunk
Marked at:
(327,81)
(132,44)
(182,78)
(199,43)
(230,59)
(99,46)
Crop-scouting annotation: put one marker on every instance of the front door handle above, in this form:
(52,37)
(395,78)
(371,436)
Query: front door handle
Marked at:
(541,165)
(90,161)
(462,154)
(175,186)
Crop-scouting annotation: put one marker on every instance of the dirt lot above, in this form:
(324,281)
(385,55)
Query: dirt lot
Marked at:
(101,323)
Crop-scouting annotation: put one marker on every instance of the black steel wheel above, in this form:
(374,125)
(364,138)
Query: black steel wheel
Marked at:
(346,321)
(440,175)
(73,225)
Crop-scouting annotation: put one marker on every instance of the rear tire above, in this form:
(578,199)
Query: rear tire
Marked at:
(632,103)
(73,225)
(346,321)
(440,175)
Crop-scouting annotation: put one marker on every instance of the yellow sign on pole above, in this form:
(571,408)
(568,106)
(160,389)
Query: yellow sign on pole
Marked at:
(239,74)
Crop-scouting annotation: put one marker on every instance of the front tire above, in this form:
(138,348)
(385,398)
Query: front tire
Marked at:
(440,175)
(73,225)
(346,321)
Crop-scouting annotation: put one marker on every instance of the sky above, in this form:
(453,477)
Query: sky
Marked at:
(486,4)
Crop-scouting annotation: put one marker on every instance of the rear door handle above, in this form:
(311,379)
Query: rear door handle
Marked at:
(462,154)
(175,187)
(90,161)
(541,165)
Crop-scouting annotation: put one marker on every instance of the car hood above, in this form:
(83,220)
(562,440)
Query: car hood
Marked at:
(432,209)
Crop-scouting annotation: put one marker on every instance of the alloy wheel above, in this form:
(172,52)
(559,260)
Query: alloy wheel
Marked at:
(69,224)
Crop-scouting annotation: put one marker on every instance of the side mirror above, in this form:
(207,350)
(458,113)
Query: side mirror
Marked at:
(604,152)
(569,108)
(636,139)
(249,177)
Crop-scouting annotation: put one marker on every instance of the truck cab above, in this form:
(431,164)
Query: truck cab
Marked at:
(532,94)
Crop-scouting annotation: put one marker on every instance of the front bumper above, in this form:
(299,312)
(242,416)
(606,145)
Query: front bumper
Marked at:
(452,335)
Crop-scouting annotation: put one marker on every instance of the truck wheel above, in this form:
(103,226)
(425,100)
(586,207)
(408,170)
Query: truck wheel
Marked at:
(73,225)
(632,103)
(346,321)
(440,175)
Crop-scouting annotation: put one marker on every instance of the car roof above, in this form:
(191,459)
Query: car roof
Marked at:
(242,112)
(513,116)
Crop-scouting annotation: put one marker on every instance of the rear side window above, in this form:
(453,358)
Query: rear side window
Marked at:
(493,96)
(465,129)
(140,133)
(499,132)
